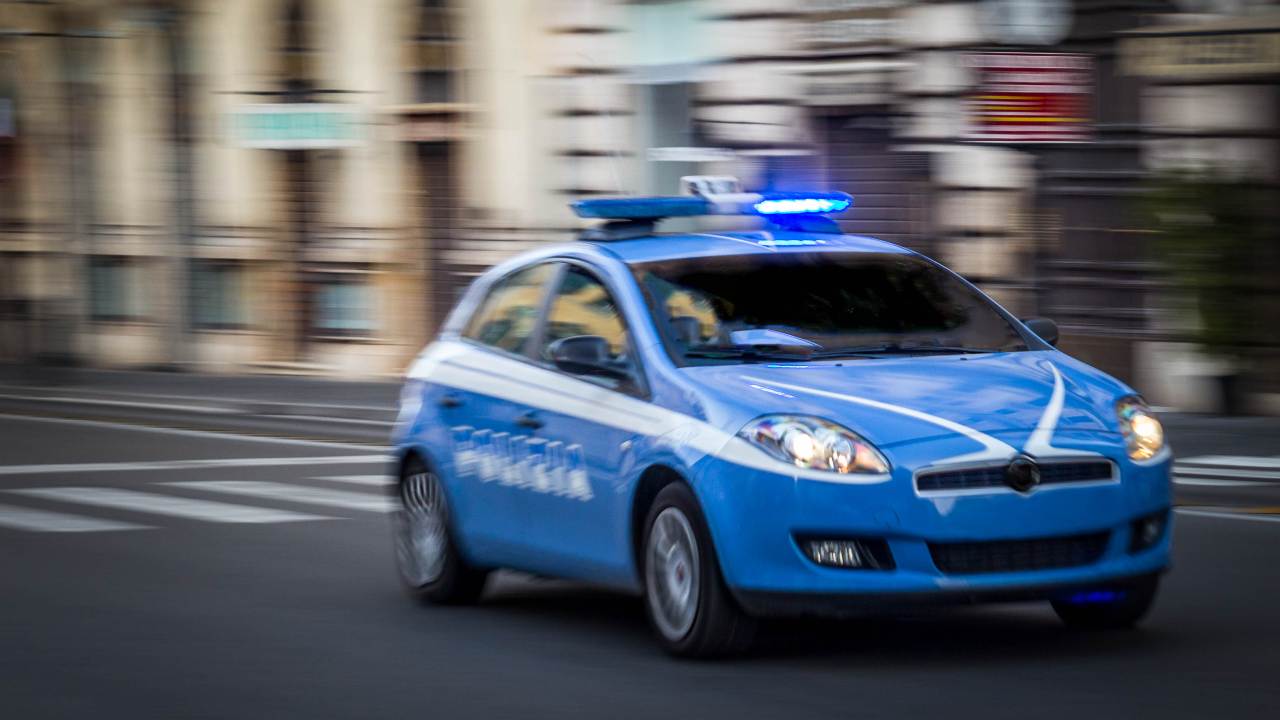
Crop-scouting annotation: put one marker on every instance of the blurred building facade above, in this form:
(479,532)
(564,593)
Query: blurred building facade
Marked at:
(305,184)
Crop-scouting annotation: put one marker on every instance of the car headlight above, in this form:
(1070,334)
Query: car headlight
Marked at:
(814,443)
(1143,433)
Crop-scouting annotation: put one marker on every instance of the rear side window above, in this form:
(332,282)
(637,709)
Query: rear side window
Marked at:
(583,306)
(509,313)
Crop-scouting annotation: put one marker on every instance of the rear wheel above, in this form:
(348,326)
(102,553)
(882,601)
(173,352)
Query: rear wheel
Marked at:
(430,565)
(1111,609)
(686,599)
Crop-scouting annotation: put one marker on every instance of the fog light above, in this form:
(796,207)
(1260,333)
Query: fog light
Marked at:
(1147,531)
(849,553)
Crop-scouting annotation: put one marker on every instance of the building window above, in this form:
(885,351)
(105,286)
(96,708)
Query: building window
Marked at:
(297,49)
(115,288)
(432,86)
(9,176)
(507,317)
(433,44)
(433,20)
(218,295)
(343,305)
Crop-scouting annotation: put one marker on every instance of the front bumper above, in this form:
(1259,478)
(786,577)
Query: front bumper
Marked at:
(775,604)
(755,517)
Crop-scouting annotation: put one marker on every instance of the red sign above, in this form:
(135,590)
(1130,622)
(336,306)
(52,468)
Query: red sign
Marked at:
(1031,97)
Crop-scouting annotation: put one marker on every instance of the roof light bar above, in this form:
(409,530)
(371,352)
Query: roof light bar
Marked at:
(641,208)
(770,203)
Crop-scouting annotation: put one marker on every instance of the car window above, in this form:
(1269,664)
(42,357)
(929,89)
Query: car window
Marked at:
(819,303)
(507,317)
(583,306)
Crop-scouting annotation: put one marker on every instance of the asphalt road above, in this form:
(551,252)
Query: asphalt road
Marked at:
(204,575)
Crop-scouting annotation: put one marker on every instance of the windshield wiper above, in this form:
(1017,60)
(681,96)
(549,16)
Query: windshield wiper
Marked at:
(756,352)
(899,349)
(745,352)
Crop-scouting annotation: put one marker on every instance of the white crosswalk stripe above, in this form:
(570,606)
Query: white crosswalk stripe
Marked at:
(293,493)
(372,480)
(157,465)
(153,503)
(20,518)
(1227,471)
(367,493)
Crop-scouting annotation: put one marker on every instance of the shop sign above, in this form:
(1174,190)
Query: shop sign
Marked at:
(1203,55)
(1031,97)
(295,126)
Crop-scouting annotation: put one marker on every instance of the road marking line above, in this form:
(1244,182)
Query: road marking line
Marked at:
(1212,482)
(374,480)
(293,493)
(18,518)
(1229,516)
(141,502)
(1225,472)
(255,402)
(1248,461)
(191,464)
(209,409)
(317,418)
(194,433)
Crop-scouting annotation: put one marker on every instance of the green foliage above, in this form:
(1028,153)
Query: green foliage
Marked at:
(1213,238)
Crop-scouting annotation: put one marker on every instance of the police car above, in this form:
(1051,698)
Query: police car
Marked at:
(784,420)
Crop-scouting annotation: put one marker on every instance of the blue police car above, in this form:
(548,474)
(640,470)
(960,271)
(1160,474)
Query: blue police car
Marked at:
(783,420)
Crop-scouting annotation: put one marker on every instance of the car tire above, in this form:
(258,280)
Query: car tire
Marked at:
(1124,612)
(688,604)
(430,566)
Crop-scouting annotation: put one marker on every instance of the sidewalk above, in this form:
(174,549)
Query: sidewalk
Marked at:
(365,410)
(288,406)
(216,389)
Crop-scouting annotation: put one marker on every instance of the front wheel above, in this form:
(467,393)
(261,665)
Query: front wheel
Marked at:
(1111,609)
(687,602)
(430,565)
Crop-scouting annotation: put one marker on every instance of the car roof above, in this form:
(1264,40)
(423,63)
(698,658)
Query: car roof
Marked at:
(654,248)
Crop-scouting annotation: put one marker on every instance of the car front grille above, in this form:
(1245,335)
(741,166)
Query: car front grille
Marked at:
(978,478)
(973,558)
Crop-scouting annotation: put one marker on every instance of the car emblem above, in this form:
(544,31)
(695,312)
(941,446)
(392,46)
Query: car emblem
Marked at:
(1022,474)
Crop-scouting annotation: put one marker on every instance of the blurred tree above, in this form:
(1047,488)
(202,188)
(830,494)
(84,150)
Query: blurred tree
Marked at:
(1216,241)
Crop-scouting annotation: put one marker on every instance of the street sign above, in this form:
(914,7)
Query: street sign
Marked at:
(1031,97)
(294,126)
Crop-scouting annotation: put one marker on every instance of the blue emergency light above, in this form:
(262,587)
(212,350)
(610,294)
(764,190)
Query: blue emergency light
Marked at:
(708,196)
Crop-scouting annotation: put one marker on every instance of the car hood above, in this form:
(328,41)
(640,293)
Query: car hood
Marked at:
(897,400)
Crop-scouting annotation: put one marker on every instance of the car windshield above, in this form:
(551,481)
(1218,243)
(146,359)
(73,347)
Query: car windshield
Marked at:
(801,306)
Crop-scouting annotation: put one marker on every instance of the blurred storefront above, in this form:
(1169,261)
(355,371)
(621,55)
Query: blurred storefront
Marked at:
(305,185)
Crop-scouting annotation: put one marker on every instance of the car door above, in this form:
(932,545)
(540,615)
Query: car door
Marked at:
(481,426)
(579,447)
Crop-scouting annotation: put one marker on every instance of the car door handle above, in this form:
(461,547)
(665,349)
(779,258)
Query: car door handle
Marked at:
(529,420)
(450,400)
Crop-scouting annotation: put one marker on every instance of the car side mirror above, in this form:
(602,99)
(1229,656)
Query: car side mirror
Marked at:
(585,355)
(1045,328)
